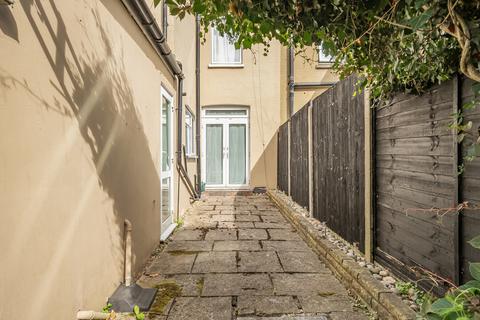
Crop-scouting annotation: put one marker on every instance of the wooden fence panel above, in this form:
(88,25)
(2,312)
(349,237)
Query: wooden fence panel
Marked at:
(415,160)
(299,157)
(469,189)
(282,158)
(338,161)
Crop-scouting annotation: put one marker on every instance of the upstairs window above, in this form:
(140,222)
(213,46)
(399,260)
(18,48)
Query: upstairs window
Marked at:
(224,51)
(322,57)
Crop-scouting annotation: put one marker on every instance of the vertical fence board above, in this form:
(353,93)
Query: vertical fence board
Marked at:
(299,157)
(338,161)
(282,158)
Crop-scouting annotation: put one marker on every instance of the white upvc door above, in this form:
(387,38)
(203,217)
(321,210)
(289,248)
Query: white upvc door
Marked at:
(225,148)
(166,177)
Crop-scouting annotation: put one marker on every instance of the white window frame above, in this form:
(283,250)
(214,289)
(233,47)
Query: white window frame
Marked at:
(322,58)
(189,136)
(217,64)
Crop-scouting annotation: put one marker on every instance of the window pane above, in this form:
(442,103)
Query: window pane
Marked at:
(223,51)
(214,153)
(165,199)
(322,57)
(220,112)
(166,147)
(237,154)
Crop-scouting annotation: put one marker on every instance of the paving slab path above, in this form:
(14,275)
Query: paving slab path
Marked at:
(236,257)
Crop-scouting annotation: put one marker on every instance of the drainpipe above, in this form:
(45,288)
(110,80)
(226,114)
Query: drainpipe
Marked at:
(165,19)
(197,104)
(291,81)
(179,118)
(128,253)
(144,18)
(90,315)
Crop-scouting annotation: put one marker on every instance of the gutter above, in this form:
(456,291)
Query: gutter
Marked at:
(144,18)
(142,15)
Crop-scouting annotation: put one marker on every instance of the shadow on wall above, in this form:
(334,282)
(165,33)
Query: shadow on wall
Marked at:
(264,171)
(7,23)
(96,93)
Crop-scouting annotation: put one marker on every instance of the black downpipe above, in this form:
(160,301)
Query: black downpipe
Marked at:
(197,104)
(165,19)
(144,18)
(179,120)
(291,81)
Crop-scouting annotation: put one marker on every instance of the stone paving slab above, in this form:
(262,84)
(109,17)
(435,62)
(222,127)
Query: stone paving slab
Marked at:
(284,245)
(272,225)
(215,261)
(307,284)
(185,246)
(282,234)
(246,217)
(259,261)
(266,305)
(306,261)
(218,308)
(187,234)
(237,258)
(166,263)
(221,234)
(238,245)
(273,218)
(312,304)
(237,284)
(235,225)
(252,234)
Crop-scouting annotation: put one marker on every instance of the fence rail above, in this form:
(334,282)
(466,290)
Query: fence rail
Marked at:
(415,173)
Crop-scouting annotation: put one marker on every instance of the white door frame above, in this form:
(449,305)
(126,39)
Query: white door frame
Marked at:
(225,121)
(167,226)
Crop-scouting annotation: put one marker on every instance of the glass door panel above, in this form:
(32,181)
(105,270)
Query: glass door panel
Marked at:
(166,124)
(166,190)
(237,154)
(214,154)
(166,194)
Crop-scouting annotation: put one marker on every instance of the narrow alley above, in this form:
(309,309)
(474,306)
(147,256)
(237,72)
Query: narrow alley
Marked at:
(236,257)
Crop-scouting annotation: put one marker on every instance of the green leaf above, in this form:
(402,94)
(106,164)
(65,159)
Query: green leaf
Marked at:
(419,21)
(136,309)
(442,306)
(475,242)
(474,268)
(156,2)
(470,284)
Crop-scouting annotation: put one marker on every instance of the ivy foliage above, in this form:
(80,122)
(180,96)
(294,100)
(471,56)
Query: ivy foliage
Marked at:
(462,303)
(398,45)
(394,45)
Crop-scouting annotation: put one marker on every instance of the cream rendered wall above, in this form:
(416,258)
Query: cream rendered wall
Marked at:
(79,141)
(257,85)
(307,69)
(181,39)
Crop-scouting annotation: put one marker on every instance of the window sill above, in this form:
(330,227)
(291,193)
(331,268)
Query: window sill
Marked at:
(324,65)
(191,156)
(225,66)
